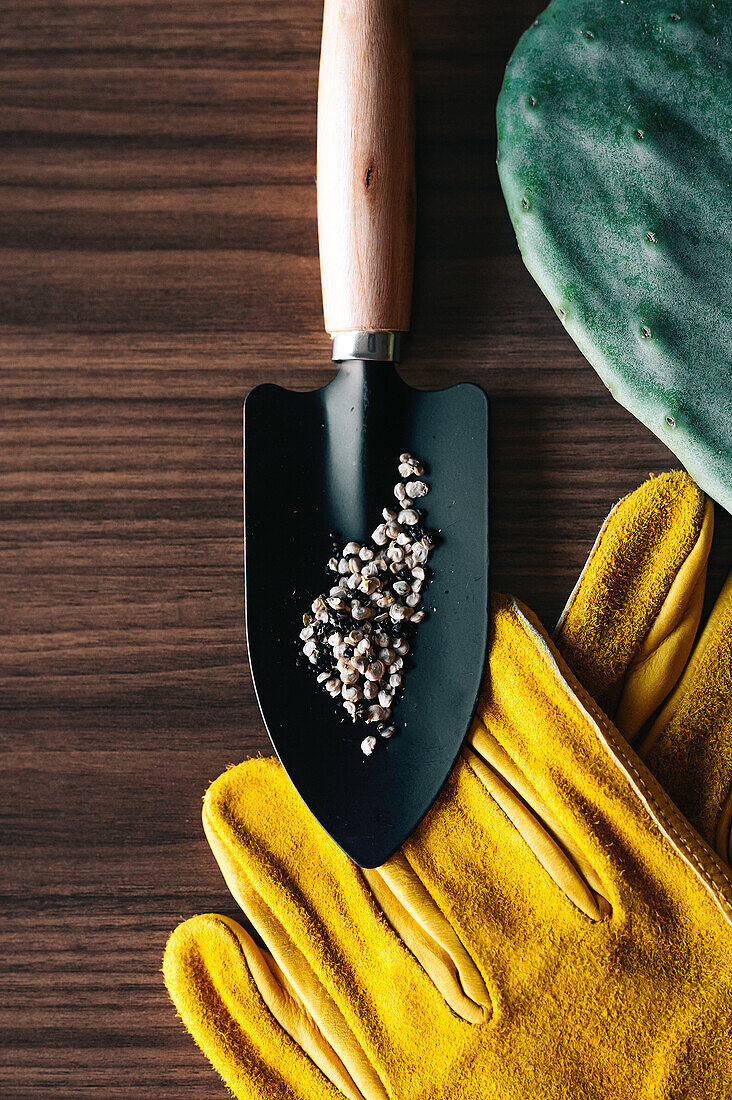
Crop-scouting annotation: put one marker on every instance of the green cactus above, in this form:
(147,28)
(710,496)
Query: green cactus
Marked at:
(615,158)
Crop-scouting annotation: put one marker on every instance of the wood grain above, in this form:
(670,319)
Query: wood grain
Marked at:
(158,258)
(365,166)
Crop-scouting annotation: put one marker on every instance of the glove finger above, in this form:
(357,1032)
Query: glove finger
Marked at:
(689,745)
(629,625)
(367,990)
(251,1026)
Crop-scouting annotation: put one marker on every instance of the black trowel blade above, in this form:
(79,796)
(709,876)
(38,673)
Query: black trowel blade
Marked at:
(325,462)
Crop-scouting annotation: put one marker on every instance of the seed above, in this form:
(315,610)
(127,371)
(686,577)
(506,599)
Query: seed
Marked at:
(416,489)
(368,745)
(381,581)
(410,465)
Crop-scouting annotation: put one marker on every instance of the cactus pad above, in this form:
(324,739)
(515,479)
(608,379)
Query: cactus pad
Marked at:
(615,158)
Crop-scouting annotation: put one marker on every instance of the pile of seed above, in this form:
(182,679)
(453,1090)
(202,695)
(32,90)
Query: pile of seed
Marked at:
(357,636)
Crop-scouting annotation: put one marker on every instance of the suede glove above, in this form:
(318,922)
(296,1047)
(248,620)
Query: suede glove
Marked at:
(554,928)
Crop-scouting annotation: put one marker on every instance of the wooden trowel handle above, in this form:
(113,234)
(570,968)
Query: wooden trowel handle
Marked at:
(366,196)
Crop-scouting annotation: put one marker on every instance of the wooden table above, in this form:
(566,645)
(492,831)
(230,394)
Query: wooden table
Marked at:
(157,225)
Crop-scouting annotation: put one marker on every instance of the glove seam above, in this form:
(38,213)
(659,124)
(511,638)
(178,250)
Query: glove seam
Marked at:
(490,1008)
(255,897)
(541,824)
(708,870)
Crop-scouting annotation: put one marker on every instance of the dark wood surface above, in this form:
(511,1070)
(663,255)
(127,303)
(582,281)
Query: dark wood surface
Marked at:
(157,227)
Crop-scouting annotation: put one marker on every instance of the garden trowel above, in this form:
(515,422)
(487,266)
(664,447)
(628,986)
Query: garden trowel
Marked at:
(322,464)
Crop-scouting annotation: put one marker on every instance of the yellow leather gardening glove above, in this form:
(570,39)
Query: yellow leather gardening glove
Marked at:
(630,653)
(553,929)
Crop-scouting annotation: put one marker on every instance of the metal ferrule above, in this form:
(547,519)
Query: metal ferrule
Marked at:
(382,347)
